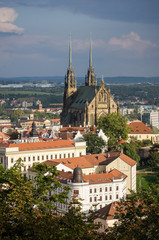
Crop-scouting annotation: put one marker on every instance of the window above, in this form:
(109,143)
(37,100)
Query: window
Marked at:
(24,168)
(106,189)
(100,189)
(24,159)
(100,199)
(47,157)
(90,190)
(42,157)
(110,197)
(68,155)
(95,199)
(29,159)
(117,188)
(95,190)
(110,189)
(1,160)
(51,156)
(90,199)
(73,155)
(33,158)
(117,196)
(64,155)
(12,160)
(76,192)
(55,156)
(38,158)
(80,154)
(60,156)
(106,198)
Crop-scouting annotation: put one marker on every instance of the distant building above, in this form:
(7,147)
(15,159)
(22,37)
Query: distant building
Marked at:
(83,106)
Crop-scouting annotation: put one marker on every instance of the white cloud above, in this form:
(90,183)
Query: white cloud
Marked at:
(7,17)
(132,41)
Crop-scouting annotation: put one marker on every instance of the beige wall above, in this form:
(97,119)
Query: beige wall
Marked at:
(125,168)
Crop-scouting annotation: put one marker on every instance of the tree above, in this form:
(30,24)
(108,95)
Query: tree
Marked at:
(114,126)
(16,114)
(94,143)
(130,151)
(138,216)
(27,211)
(153,159)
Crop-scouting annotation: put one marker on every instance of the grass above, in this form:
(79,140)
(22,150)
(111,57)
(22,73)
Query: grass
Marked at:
(145,180)
(23,92)
(148,169)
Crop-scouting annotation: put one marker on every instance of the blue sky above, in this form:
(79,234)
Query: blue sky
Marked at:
(34,37)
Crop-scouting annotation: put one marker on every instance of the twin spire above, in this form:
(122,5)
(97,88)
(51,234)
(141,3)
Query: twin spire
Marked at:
(90,79)
(70,53)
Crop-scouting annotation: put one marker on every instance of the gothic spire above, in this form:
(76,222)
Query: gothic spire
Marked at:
(70,53)
(90,53)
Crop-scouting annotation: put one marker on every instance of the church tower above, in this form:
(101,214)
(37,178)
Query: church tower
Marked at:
(70,84)
(90,78)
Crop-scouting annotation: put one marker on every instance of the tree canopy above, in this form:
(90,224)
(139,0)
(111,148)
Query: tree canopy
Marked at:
(130,151)
(95,144)
(114,126)
(28,211)
(138,216)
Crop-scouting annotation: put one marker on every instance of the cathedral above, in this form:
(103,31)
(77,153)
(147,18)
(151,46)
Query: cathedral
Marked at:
(83,106)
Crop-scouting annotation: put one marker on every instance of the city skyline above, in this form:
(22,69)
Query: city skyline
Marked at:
(34,37)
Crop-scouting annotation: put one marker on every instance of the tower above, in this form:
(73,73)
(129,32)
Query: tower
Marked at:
(70,84)
(90,78)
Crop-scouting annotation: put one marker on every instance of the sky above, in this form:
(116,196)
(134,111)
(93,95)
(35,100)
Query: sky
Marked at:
(34,37)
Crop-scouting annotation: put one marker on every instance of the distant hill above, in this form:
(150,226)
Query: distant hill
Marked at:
(80,80)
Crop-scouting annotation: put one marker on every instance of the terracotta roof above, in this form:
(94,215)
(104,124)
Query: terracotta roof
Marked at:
(71,129)
(121,141)
(55,120)
(74,162)
(64,176)
(139,128)
(127,159)
(40,145)
(104,177)
(3,135)
(107,212)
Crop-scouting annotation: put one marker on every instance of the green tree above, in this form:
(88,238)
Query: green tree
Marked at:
(130,151)
(16,114)
(153,159)
(138,216)
(94,143)
(115,127)
(27,211)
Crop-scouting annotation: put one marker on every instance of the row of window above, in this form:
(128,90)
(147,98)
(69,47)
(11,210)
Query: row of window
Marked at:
(102,199)
(47,157)
(100,190)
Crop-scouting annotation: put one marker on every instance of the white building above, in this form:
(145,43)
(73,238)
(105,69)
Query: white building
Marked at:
(40,151)
(94,190)
(154,119)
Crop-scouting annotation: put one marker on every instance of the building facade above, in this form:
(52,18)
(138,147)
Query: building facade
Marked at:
(83,106)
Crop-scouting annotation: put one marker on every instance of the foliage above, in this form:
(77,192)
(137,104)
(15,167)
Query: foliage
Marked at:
(138,216)
(40,115)
(145,180)
(14,135)
(16,114)
(153,159)
(115,127)
(130,151)
(95,144)
(27,211)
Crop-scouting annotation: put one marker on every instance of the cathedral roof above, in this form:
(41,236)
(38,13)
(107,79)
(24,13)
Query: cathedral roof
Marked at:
(83,94)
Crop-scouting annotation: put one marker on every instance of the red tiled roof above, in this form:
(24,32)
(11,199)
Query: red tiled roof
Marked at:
(55,120)
(139,128)
(104,177)
(64,176)
(107,212)
(40,145)
(74,162)
(127,159)
(71,129)
(121,141)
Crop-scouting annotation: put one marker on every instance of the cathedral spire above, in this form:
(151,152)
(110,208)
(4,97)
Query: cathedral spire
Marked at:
(70,53)
(90,53)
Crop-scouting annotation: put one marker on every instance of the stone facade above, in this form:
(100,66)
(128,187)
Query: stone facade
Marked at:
(83,106)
